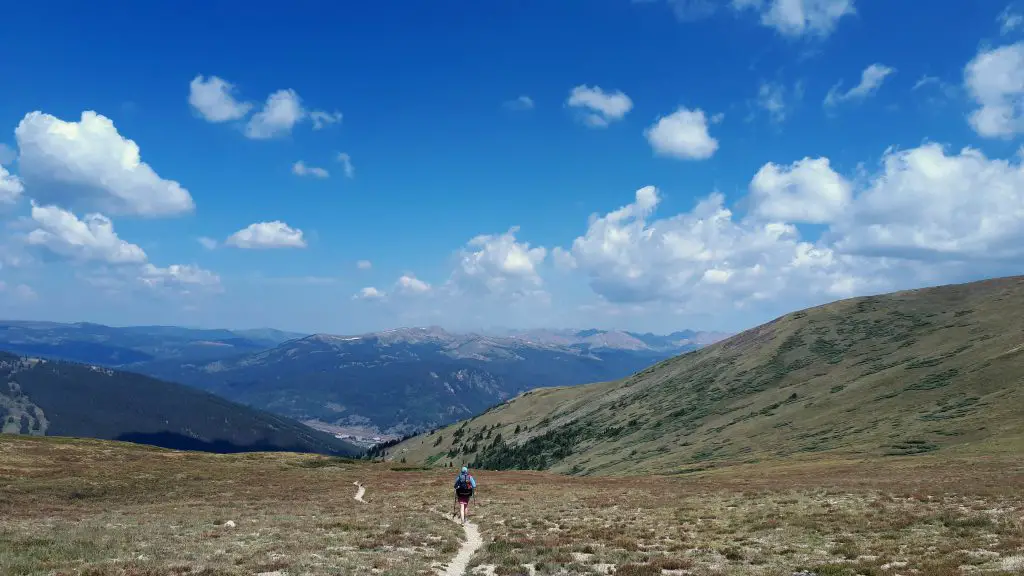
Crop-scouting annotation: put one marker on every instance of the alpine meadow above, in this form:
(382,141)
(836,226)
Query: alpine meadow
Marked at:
(537,288)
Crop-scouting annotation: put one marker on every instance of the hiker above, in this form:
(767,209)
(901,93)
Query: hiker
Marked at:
(465,484)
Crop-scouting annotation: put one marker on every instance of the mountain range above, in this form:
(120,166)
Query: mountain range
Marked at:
(131,345)
(59,398)
(412,379)
(901,374)
(395,381)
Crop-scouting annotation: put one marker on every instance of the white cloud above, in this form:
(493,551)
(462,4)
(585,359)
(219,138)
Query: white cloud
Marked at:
(89,165)
(208,243)
(369,293)
(11,187)
(806,191)
(520,103)
(281,112)
(260,235)
(301,169)
(928,205)
(213,99)
(775,99)
(498,264)
(563,258)
(346,164)
(602,107)
(925,217)
(799,17)
(409,284)
(995,80)
(702,258)
(364,265)
(322,119)
(1009,21)
(925,81)
(771,98)
(90,239)
(682,134)
(178,277)
(871,80)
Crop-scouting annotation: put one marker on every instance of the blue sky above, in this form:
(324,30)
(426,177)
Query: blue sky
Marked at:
(497,158)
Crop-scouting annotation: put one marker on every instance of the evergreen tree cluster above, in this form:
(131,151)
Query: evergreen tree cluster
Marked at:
(537,453)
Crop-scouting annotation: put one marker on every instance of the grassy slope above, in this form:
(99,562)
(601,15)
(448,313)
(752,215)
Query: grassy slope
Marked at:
(904,373)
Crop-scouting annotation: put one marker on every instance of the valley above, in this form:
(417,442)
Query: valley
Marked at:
(383,384)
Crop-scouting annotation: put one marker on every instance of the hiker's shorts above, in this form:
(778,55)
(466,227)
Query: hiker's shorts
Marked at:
(463,498)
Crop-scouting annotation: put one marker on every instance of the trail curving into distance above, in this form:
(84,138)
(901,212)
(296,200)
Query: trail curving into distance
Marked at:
(359,492)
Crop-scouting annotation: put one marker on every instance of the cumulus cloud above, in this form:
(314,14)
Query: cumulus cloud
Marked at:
(995,81)
(563,258)
(346,164)
(795,18)
(301,169)
(261,235)
(214,99)
(11,187)
(322,119)
(498,264)
(521,103)
(92,238)
(600,108)
(682,134)
(871,80)
(925,216)
(410,284)
(364,265)
(208,243)
(702,257)
(806,191)
(930,205)
(369,293)
(281,112)
(89,165)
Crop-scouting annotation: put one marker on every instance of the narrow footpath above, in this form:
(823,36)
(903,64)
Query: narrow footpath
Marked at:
(459,565)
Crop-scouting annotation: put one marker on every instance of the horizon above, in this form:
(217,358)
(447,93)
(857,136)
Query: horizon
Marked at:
(305,334)
(642,166)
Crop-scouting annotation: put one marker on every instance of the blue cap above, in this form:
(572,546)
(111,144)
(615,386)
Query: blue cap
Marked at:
(464,469)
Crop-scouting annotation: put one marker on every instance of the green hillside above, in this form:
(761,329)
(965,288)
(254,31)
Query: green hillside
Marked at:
(937,370)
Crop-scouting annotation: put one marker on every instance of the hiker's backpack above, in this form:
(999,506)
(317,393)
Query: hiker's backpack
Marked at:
(462,485)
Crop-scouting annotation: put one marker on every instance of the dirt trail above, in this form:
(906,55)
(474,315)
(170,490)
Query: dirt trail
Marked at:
(459,564)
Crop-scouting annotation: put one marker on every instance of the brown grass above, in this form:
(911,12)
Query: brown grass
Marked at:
(103,509)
